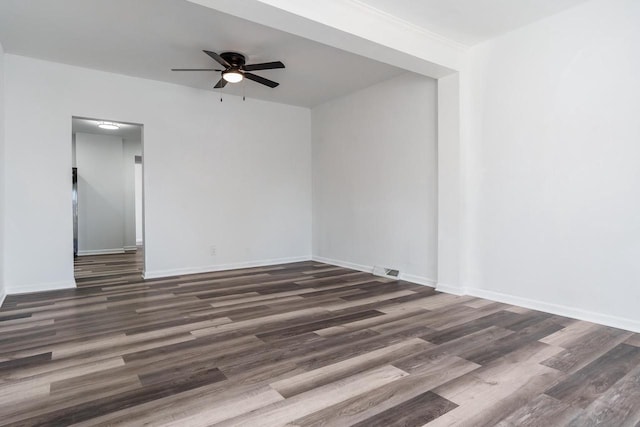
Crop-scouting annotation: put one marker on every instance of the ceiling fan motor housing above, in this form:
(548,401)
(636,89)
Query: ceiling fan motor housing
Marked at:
(236,59)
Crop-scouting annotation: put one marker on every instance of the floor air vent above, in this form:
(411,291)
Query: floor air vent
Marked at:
(389,273)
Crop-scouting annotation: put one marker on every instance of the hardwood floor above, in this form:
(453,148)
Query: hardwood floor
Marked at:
(116,266)
(302,344)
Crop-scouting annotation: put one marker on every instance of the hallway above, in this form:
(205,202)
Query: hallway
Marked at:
(92,269)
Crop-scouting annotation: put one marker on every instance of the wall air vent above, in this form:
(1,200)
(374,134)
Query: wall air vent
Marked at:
(389,273)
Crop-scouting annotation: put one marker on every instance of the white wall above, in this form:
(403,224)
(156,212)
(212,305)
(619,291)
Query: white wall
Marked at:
(2,178)
(139,235)
(101,193)
(450,189)
(232,174)
(556,164)
(131,149)
(374,178)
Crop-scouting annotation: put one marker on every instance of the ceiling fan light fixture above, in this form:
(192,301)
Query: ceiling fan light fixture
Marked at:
(108,125)
(236,70)
(232,76)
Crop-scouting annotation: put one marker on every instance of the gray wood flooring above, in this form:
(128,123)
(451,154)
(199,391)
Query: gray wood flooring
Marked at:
(304,344)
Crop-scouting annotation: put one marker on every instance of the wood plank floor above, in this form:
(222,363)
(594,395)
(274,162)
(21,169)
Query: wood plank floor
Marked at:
(302,344)
(127,264)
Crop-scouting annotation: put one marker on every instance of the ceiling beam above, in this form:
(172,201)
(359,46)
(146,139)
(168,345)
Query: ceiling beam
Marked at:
(355,27)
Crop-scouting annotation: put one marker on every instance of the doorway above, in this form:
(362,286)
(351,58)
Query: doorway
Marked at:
(107,188)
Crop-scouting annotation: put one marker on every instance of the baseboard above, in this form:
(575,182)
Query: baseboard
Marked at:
(101,251)
(419,280)
(221,267)
(3,295)
(343,264)
(561,310)
(130,248)
(40,287)
(450,289)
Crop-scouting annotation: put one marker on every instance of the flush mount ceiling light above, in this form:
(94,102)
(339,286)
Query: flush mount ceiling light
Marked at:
(232,76)
(108,125)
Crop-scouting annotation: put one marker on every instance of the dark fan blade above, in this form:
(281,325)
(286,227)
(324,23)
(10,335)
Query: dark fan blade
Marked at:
(264,66)
(218,58)
(194,69)
(221,83)
(262,80)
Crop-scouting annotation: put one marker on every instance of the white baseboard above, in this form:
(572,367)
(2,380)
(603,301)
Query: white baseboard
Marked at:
(3,295)
(343,264)
(449,289)
(561,310)
(40,287)
(130,248)
(221,267)
(101,251)
(419,280)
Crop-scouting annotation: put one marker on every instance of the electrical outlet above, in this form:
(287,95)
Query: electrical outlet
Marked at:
(213,251)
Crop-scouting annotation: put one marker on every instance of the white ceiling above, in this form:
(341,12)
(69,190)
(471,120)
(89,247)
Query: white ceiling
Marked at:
(126,130)
(471,21)
(146,38)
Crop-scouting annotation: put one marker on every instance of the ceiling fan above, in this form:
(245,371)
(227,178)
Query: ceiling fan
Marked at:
(235,69)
